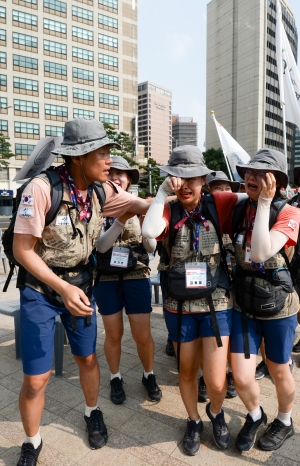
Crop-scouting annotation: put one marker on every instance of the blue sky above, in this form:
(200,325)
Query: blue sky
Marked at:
(172,52)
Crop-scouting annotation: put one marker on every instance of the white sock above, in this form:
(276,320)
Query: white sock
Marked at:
(88,410)
(229,369)
(113,376)
(285,418)
(146,374)
(197,422)
(213,414)
(35,440)
(256,414)
(200,372)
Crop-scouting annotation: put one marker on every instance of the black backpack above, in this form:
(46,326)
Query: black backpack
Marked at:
(56,198)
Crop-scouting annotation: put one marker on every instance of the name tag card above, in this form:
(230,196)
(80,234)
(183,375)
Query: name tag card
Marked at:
(119,257)
(239,239)
(248,255)
(195,275)
(63,220)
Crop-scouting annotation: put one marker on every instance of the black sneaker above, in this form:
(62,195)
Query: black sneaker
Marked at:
(275,434)
(97,429)
(202,395)
(29,454)
(231,391)
(296,347)
(117,394)
(261,370)
(247,435)
(170,348)
(154,392)
(191,439)
(221,432)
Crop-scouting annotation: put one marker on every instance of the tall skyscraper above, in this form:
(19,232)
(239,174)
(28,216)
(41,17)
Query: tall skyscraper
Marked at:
(184,131)
(242,79)
(155,121)
(60,60)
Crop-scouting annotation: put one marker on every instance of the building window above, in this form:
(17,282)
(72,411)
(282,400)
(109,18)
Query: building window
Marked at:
(82,55)
(24,149)
(80,113)
(3,81)
(107,41)
(56,5)
(3,102)
(26,86)
(81,74)
(4,126)
(25,108)
(82,13)
(54,131)
(2,14)
(55,70)
(109,118)
(2,37)
(272,88)
(109,100)
(109,3)
(30,130)
(25,62)
(31,2)
(80,95)
(108,21)
(107,61)
(3,59)
(55,27)
(26,41)
(108,80)
(82,34)
(56,112)
(56,89)
(25,18)
(55,47)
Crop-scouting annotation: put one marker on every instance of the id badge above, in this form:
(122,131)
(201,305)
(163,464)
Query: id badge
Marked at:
(248,255)
(239,239)
(228,258)
(63,220)
(119,257)
(195,275)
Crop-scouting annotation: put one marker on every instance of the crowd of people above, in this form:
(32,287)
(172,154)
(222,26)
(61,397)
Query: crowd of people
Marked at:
(227,280)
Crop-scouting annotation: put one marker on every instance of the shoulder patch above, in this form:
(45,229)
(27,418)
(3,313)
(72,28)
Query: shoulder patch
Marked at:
(26,212)
(292,224)
(27,199)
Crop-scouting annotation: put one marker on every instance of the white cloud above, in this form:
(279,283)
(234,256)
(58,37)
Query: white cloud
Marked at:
(180,45)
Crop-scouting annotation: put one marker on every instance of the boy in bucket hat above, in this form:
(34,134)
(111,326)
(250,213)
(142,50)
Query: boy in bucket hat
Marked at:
(58,277)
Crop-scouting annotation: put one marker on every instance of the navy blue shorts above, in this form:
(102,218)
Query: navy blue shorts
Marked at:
(38,327)
(278,335)
(135,297)
(196,325)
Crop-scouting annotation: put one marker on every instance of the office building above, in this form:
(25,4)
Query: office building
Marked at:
(155,121)
(242,79)
(297,148)
(184,131)
(60,60)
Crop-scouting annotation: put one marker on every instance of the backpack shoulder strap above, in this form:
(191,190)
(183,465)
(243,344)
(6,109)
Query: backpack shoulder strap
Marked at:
(56,192)
(100,192)
(176,213)
(276,207)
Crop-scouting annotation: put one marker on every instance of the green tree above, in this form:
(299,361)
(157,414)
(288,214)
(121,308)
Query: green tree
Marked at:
(214,159)
(5,152)
(157,180)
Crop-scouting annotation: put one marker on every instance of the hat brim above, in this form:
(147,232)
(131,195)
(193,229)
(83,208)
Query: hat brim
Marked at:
(296,176)
(241,169)
(235,185)
(77,150)
(188,171)
(133,172)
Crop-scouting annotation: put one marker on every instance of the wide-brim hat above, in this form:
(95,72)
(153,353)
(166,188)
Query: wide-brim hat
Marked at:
(296,176)
(186,162)
(83,135)
(267,159)
(221,176)
(121,164)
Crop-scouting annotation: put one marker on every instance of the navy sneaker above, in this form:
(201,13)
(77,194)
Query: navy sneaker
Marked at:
(261,370)
(154,392)
(275,434)
(191,439)
(202,395)
(247,435)
(117,394)
(221,432)
(170,348)
(97,429)
(231,391)
(29,454)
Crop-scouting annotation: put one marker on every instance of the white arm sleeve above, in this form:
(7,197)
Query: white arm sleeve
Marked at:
(109,237)
(149,244)
(154,224)
(265,243)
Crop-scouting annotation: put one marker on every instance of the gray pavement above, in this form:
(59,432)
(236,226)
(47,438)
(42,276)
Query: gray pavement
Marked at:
(141,433)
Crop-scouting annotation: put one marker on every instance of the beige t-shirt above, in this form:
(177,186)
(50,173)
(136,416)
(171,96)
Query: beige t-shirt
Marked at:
(36,202)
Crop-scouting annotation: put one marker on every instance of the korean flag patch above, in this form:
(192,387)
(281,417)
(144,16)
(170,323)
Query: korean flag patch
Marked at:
(27,199)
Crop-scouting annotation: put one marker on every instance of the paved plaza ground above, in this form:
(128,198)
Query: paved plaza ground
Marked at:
(141,433)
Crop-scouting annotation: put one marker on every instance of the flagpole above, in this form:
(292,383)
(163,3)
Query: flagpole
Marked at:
(220,137)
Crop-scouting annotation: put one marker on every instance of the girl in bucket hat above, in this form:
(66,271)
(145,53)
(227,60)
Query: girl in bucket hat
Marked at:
(134,295)
(197,298)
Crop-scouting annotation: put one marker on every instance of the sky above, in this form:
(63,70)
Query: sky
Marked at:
(172,52)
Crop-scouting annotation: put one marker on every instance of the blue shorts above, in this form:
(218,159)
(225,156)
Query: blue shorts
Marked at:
(135,297)
(38,328)
(278,335)
(196,325)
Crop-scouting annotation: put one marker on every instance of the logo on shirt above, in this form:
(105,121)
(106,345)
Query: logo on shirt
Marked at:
(27,199)
(292,224)
(26,212)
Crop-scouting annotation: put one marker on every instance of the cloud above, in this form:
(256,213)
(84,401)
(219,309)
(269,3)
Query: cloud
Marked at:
(180,45)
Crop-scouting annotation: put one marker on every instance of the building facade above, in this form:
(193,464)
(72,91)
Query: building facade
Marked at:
(184,131)
(60,60)
(297,148)
(242,79)
(155,121)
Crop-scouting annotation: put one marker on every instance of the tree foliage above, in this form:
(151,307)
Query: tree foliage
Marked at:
(5,152)
(144,179)
(215,160)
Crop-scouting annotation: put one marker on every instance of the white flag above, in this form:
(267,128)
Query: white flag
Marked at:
(233,152)
(288,73)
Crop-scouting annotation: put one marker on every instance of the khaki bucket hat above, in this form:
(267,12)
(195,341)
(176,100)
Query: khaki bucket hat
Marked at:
(121,164)
(221,176)
(186,162)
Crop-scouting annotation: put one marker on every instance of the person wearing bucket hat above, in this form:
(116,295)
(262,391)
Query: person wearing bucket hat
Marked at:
(221,182)
(264,230)
(128,288)
(197,299)
(58,275)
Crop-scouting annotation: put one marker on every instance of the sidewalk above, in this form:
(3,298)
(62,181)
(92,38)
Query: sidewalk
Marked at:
(141,433)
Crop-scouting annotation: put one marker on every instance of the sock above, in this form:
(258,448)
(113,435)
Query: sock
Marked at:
(285,418)
(229,369)
(146,374)
(113,376)
(256,414)
(88,410)
(200,372)
(35,440)
(197,422)
(213,414)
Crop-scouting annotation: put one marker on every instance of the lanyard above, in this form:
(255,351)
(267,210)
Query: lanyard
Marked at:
(74,200)
(196,238)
